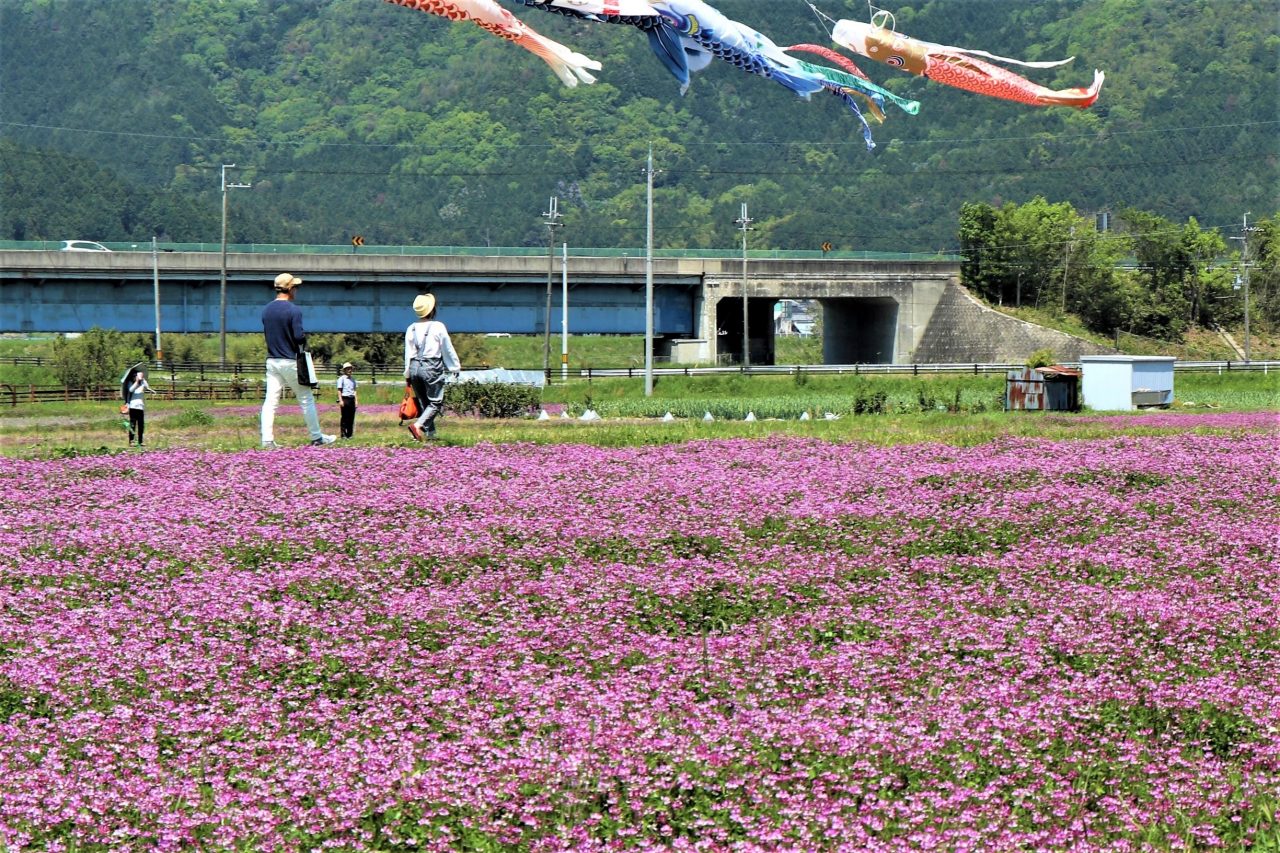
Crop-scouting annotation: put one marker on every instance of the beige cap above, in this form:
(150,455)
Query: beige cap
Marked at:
(347,364)
(287,281)
(424,305)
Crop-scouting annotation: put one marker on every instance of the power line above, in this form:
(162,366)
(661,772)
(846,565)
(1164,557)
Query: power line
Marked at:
(915,170)
(264,142)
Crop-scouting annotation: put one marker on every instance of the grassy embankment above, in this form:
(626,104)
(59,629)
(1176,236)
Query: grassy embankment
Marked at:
(911,410)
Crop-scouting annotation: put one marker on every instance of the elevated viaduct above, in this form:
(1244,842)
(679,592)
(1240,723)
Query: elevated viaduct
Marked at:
(874,311)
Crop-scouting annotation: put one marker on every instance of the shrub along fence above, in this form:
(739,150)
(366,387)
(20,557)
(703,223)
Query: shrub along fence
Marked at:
(489,400)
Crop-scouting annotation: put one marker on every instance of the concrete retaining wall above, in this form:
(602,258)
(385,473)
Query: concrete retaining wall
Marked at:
(963,330)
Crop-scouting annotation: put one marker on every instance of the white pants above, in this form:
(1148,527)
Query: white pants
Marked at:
(282,372)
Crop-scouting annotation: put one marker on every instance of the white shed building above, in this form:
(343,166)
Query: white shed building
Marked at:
(1113,383)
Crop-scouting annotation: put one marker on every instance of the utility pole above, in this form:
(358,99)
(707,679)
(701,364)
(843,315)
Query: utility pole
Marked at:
(222,311)
(744,223)
(1244,263)
(648,277)
(155,289)
(564,312)
(552,218)
(1066,263)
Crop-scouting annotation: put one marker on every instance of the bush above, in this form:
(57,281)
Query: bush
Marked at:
(1041,358)
(874,403)
(491,400)
(191,416)
(96,358)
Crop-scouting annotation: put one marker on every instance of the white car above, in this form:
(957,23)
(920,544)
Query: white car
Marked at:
(82,246)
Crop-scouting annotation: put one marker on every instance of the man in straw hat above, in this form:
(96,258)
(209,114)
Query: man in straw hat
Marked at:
(282,326)
(428,353)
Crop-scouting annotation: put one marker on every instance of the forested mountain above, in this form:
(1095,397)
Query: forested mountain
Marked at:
(358,116)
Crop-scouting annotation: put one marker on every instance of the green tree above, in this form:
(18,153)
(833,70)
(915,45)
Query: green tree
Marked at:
(1035,253)
(1109,300)
(1049,240)
(984,269)
(94,359)
(1264,276)
(1174,264)
(377,347)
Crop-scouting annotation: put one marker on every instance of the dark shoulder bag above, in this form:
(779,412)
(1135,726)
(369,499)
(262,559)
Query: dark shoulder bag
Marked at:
(306,369)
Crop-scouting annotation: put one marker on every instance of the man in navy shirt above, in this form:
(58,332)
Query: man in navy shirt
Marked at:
(282,326)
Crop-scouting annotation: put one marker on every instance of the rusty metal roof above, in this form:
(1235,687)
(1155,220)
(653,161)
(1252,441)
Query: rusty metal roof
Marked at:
(1059,370)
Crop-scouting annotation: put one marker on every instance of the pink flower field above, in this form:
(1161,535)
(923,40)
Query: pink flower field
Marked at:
(779,644)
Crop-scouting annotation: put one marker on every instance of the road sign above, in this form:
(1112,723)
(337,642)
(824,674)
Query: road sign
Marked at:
(357,241)
(826,247)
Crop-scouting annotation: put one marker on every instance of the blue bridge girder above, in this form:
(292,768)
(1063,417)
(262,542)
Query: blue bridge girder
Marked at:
(44,291)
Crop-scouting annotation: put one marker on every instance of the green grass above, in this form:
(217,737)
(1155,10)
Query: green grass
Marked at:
(789,395)
(73,429)
(514,352)
(733,395)
(782,397)
(525,352)
(956,408)
(1069,324)
(518,352)
(1235,391)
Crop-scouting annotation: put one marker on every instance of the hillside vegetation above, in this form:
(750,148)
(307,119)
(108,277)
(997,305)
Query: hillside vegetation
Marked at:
(356,116)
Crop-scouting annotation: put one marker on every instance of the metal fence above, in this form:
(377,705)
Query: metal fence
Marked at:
(213,381)
(16,395)
(203,371)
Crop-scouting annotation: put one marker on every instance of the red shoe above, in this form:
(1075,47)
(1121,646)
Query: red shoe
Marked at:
(415,431)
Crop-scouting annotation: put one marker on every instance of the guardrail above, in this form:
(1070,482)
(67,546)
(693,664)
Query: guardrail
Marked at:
(1227,366)
(897,369)
(490,251)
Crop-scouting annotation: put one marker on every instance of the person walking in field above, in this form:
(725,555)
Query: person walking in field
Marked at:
(347,400)
(428,355)
(282,327)
(137,407)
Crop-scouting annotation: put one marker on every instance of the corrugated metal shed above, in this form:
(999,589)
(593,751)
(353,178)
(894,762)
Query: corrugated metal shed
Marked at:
(1051,388)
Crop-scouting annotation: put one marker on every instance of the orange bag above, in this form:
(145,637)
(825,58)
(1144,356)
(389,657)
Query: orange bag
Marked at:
(409,405)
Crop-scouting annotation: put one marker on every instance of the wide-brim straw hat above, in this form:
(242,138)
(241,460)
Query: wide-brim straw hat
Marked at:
(287,281)
(424,305)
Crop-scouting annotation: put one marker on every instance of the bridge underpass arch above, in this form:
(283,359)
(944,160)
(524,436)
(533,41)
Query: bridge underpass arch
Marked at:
(859,330)
(855,329)
(728,325)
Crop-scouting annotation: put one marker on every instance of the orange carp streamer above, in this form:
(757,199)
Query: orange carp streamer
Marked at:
(959,67)
(572,68)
